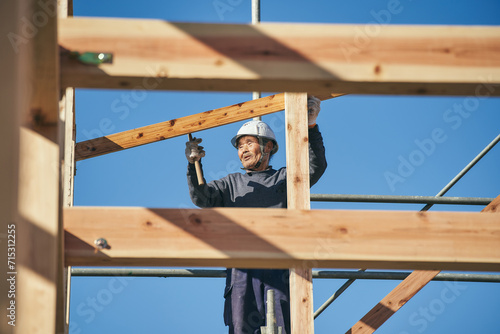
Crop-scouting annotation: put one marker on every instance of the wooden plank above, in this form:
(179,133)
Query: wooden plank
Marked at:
(255,238)
(46,62)
(178,127)
(297,172)
(391,303)
(67,159)
(67,135)
(181,126)
(67,140)
(13,104)
(39,228)
(297,151)
(37,234)
(278,57)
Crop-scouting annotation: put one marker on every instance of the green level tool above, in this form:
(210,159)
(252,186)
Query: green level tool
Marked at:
(92,58)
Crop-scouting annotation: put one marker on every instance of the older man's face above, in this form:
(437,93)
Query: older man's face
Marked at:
(249,152)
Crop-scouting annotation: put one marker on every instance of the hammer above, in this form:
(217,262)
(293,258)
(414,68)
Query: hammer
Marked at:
(197,166)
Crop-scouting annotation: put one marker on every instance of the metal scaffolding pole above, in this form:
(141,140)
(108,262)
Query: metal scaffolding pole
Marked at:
(401,199)
(256,20)
(255,11)
(389,275)
(334,296)
(317,274)
(270,327)
(465,170)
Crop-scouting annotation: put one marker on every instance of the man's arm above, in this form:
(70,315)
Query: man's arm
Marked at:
(205,195)
(317,158)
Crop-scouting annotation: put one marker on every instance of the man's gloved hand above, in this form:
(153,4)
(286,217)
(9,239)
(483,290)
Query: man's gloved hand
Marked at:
(313,108)
(194,152)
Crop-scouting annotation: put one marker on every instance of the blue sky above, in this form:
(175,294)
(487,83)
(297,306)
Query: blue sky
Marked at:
(368,139)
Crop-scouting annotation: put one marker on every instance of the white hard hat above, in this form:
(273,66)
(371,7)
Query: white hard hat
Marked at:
(257,129)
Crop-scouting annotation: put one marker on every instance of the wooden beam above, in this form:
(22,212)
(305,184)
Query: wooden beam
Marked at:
(393,302)
(297,180)
(362,59)
(67,139)
(38,234)
(182,126)
(37,226)
(67,136)
(178,127)
(297,151)
(46,63)
(255,238)
(13,104)
(67,159)
(398,297)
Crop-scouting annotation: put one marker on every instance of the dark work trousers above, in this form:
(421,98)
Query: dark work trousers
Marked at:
(246,295)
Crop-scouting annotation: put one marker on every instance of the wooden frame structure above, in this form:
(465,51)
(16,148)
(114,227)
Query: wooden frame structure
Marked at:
(201,61)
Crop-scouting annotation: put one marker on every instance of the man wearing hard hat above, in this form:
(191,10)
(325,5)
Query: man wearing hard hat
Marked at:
(260,186)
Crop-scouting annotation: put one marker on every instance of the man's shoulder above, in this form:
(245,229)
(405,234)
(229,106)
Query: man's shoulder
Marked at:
(281,170)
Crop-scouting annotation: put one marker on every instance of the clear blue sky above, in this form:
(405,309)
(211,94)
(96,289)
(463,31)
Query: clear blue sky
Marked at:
(366,138)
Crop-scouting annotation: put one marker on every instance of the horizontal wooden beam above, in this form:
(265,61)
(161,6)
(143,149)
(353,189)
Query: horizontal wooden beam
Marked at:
(182,126)
(280,238)
(276,57)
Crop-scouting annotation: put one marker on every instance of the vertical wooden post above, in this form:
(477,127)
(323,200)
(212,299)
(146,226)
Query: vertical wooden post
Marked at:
(38,227)
(297,162)
(67,157)
(12,67)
